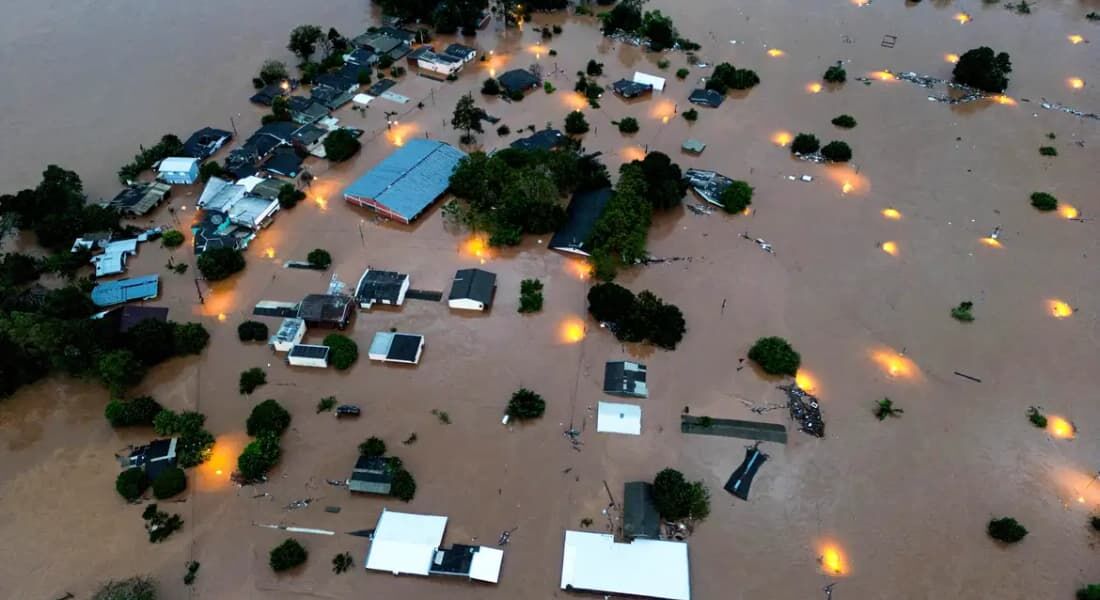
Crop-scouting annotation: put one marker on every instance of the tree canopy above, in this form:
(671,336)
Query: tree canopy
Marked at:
(373,447)
(575,123)
(775,356)
(135,588)
(805,143)
(640,318)
(343,350)
(837,152)
(727,77)
(341,145)
(737,197)
(467,118)
(259,456)
(303,40)
(983,69)
(220,263)
(526,404)
(664,182)
(267,416)
(677,499)
(287,555)
(56,211)
(138,411)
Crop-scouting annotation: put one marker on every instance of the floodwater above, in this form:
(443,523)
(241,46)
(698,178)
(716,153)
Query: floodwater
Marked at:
(899,506)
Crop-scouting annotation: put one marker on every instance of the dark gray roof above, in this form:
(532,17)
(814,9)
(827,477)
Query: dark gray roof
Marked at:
(282,130)
(455,560)
(584,210)
(709,98)
(215,231)
(474,284)
(640,517)
(518,80)
(140,198)
(372,475)
(625,379)
(380,286)
(308,135)
(361,56)
(267,95)
(205,142)
(325,308)
(547,139)
(404,347)
(129,316)
(284,161)
(630,89)
(459,51)
(309,351)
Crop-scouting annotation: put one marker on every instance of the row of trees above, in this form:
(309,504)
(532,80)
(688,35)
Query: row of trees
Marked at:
(628,17)
(56,212)
(266,423)
(515,191)
(728,77)
(640,318)
(807,143)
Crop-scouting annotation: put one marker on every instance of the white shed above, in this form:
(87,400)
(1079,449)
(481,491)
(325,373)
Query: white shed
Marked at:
(178,170)
(645,568)
(290,334)
(613,417)
(658,83)
(306,355)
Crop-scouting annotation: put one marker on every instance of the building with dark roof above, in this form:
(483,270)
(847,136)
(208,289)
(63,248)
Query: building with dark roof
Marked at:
(139,199)
(518,81)
(640,516)
(396,347)
(205,142)
(472,289)
(216,230)
(625,378)
(326,310)
(371,475)
(130,316)
(547,139)
(631,89)
(362,57)
(407,182)
(304,111)
(154,458)
(381,287)
(307,355)
(708,98)
(284,161)
(463,53)
(266,95)
(584,210)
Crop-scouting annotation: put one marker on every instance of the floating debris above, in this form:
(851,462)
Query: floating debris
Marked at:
(708,184)
(805,410)
(764,245)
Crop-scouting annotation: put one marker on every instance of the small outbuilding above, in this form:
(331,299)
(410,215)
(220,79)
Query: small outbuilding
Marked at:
(178,170)
(654,82)
(518,81)
(406,543)
(408,181)
(308,355)
(640,516)
(594,562)
(326,310)
(625,378)
(613,417)
(154,458)
(693,146)
(708,98)
(371,475)
(631,89)
(381,287)
(290,333)
(396,347)
(472,289)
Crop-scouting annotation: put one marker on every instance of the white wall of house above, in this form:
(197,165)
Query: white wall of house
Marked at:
(466,304)
(304,361)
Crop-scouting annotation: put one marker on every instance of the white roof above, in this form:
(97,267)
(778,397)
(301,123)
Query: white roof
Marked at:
(405,542)
(177,164)
(648,568)
(250,182)
(363,99)
(486,564)
(619,418)
(219,195)
(658,83)
(251,211)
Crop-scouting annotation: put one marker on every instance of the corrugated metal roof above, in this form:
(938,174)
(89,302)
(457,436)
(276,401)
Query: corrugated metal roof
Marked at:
(410,179)
(124,290)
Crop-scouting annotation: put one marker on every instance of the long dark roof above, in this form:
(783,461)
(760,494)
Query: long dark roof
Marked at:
(640,517)
(630,89)
(404,347)
(474,284)
(518,80)
(309,351)
(624,378)
(584,210)
(704,97)
(205,142)
(129,316)
(284,161)
(325,308)
(380,286)
(547,139)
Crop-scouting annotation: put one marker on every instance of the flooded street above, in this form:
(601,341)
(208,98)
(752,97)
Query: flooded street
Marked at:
(899,507)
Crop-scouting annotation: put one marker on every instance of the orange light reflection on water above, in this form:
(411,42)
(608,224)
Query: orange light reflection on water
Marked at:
(890,248)
(1068,211)
(992,242)
(1060,427)
(782,138)
(632,153)
(1006,100)
(1076,83)
(477,246)
(214,474)
(895,364)
(951,58)
(776,52)
(813,88)
(1075,39)
(962,18)
(891,213)
(884,76)
(579,268)
(833,559)
(847,179)
(571,330)
(574,100)
(806,380)
(1059,309)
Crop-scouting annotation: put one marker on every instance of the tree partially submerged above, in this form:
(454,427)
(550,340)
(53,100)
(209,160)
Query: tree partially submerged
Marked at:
(844,121)
(373,447)
(575,123)
(259,456)
(737,197)
(962,312)
(220,263)
(467,118)
(135,412)
(837,152)
(287,555)
(134,588)
(131,483)
(983,69)
(1044,201)
(678,499)
(805,143)
(728,77)
(267,416)
(640,318)
(1006,529)
(252,331)
(343,351)
(530,296)
(526,404)
(341,145)
(319,258)
(251,379)
(169,482)
(775,356)
(885,408)
(836,74)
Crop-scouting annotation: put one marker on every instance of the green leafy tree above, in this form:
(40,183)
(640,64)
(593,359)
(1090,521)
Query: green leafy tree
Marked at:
(737,197)
(403,486)
(120,370)
(172,238)
(727,77)
(287,555)
(836,74)
(341,145)
(594,68)
(467,118)
(628,125)
(267,417)
(150,341)
(1036,417)
(343,351)
(677,499)
(775,356)
(1048,151)
(252,331)
(273,71)
(575,123)
(490,87)
(837,152)
(189,338)
(170,482)
(1006,529)
(962,312)
(610,302)
(526,404)
(373,447)
(319,258)
(626,16)
(682,73)
(341,563)
(530,296)
(252,379)
(983,69)
(220,263)
(290,196)
(303,40)
(659,29)
(138,411)
(259,456)
(1044,201)
(213,168)
(134,588)
(18,269)
(885,408)
(664,182)
(805,143)
(1092,590)
(844,121)
(131,484)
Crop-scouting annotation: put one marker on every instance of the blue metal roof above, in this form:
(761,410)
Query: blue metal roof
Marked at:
(411,178)
(125,290)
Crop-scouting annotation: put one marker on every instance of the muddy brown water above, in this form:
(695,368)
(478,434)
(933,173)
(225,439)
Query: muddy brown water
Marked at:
(904,502)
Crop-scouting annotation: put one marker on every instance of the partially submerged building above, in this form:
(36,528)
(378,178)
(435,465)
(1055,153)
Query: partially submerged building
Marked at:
(290,333)
(518,81)
(547,139)
(709,185)
(655,83)
(641,519)
(708,98)
(409,544)
(631,89)
(387,41)
(113,259)
(266,95)
(435,64)
(625,378)
(178,170)
(308,355)
(231,215)
(305,111)
(381,287)
(205,142)
(130,316)
(594,562)
(463,53)
(121,291)
(326,310)
(613,417)
(585,208)
(472,289)
(140,198)
(284,161)
(371,475)
(407,182)
(334,90)
(154,458)
(396,347)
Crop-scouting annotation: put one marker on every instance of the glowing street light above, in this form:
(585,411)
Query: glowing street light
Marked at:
(813,88)
(1068,211)
(782,138)
(1061,428)
(1075,39)
(891,213)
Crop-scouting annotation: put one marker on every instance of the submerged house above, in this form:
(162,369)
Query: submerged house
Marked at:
(243,161)
(388,41)
(381,287)
(463,53)
(307,355)
(140,198)
(178,170)
(334,90)
(153,458)
(409,544)
(585,208)
(594,562)
(231,215)
(655,83)
(640,516)
(120,291)
(395,347)
(709,185)
(205,142)
(518,81)
(305,111)
(362,57)
(430,62)
(708,98)
(371,475)
(547,139)
(290,333)
(326,310)
(266,95)
(631,89)
(625,378)
(408,181)
(472,289)
(284,161)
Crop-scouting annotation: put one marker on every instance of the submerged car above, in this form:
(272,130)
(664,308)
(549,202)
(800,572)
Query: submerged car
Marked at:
(347,410)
